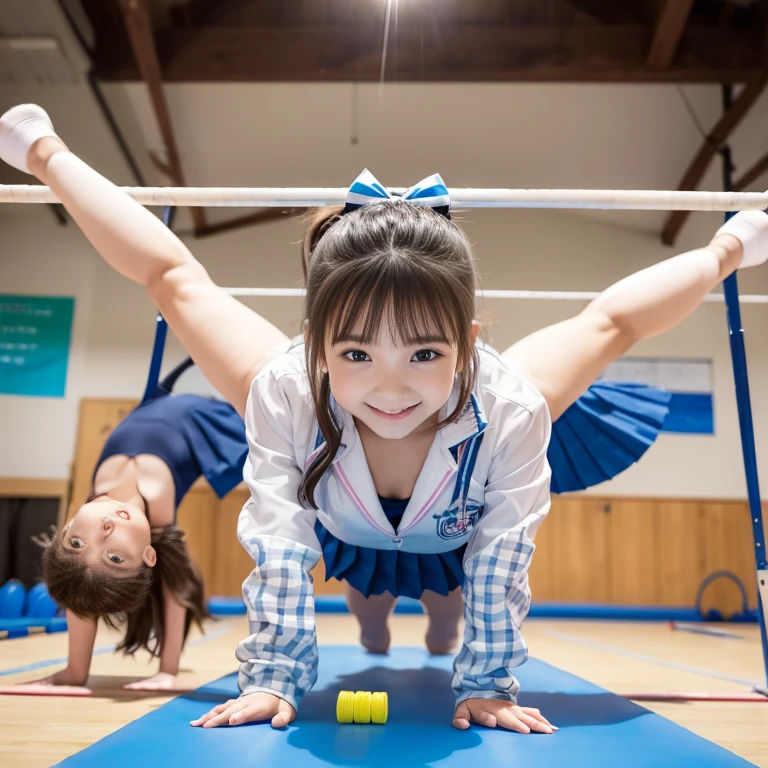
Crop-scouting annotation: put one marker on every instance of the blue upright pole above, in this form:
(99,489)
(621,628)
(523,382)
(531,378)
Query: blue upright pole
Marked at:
(746,428)
(161,331)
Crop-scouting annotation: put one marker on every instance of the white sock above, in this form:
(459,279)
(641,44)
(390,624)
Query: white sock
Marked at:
(751,228)
(20,128)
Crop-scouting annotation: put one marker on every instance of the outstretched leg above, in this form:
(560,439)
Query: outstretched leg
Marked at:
(563,360)
(229,342)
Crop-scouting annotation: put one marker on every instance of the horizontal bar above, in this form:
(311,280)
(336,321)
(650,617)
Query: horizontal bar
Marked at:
(276,197)
(496,294)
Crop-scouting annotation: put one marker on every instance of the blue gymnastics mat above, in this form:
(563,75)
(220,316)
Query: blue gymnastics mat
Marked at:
(597,728)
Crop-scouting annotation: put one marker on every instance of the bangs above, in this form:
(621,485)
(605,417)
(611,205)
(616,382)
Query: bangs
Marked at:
(413,309)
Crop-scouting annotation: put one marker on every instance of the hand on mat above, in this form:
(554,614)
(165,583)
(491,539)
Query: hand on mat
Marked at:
(253,708)
(63,677)
(162,681)
(502,713)
(59,684)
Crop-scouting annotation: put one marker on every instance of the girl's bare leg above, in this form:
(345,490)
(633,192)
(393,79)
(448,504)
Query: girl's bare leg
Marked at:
(564,359)
(445,613)
(229,342)
(373,615)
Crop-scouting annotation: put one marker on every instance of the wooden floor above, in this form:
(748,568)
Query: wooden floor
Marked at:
(40,731)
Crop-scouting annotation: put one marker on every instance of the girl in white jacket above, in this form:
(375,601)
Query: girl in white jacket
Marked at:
(389,440)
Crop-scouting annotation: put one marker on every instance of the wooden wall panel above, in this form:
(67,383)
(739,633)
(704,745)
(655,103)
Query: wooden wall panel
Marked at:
(544,563)
(197,518)
(582,552)
(681,562)
(232,562)
(728,546)
(634,552)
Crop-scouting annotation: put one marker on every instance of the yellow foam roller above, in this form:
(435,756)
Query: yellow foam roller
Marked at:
(363,706)
(345,706)
(379,707)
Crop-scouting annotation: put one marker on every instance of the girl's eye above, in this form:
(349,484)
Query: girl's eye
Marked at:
(354,353)
(420,355)
(76,543)
(115,558)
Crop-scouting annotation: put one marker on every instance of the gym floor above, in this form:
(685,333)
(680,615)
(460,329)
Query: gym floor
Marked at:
(623,657)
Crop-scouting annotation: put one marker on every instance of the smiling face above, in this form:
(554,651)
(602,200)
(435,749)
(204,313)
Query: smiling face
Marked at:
(396,388)
(112,534)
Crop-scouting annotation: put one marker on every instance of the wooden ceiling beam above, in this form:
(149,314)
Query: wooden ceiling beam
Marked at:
(668,32)
(138,23)
(434,53)
(712,143)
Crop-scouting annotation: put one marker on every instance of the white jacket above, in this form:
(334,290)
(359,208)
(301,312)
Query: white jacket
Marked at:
(502,482)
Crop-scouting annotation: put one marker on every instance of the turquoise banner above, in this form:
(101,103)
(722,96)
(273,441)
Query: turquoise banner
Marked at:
(35,333)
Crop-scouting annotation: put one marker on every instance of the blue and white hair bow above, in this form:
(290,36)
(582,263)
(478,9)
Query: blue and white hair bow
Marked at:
(430,192)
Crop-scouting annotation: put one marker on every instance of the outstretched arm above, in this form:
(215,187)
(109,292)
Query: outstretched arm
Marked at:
(496,562)
(71,680)
(174,617)
(278,660)
(563,360)
(82,636)
(228,341)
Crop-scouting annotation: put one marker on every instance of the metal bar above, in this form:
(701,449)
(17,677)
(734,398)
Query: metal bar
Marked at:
(746,426)
(275,197)
(716,298)
(161,332)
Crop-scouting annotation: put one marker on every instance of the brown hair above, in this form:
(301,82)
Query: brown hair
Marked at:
(390,261)
(135,599)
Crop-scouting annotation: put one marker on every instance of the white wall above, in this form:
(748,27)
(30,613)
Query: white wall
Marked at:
(547,136)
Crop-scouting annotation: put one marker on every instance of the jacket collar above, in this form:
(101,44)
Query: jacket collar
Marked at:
(471,420)
(439,471)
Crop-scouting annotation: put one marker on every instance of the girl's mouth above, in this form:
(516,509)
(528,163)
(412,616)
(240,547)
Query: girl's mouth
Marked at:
(394,416)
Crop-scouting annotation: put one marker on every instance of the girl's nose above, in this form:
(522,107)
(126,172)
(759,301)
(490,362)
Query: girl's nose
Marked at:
(392,385)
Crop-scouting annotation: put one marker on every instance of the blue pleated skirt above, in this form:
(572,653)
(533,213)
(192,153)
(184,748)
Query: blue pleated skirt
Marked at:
(217,436)
(375,571)
(605,431)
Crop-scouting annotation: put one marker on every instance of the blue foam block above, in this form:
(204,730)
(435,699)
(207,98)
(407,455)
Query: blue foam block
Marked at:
(226,606)
(12,597)
(13,632)
(39,604)
(597,728)
(21,627)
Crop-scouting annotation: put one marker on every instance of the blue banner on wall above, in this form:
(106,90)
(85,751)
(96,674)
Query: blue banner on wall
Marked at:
(690,412)
(35,333)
